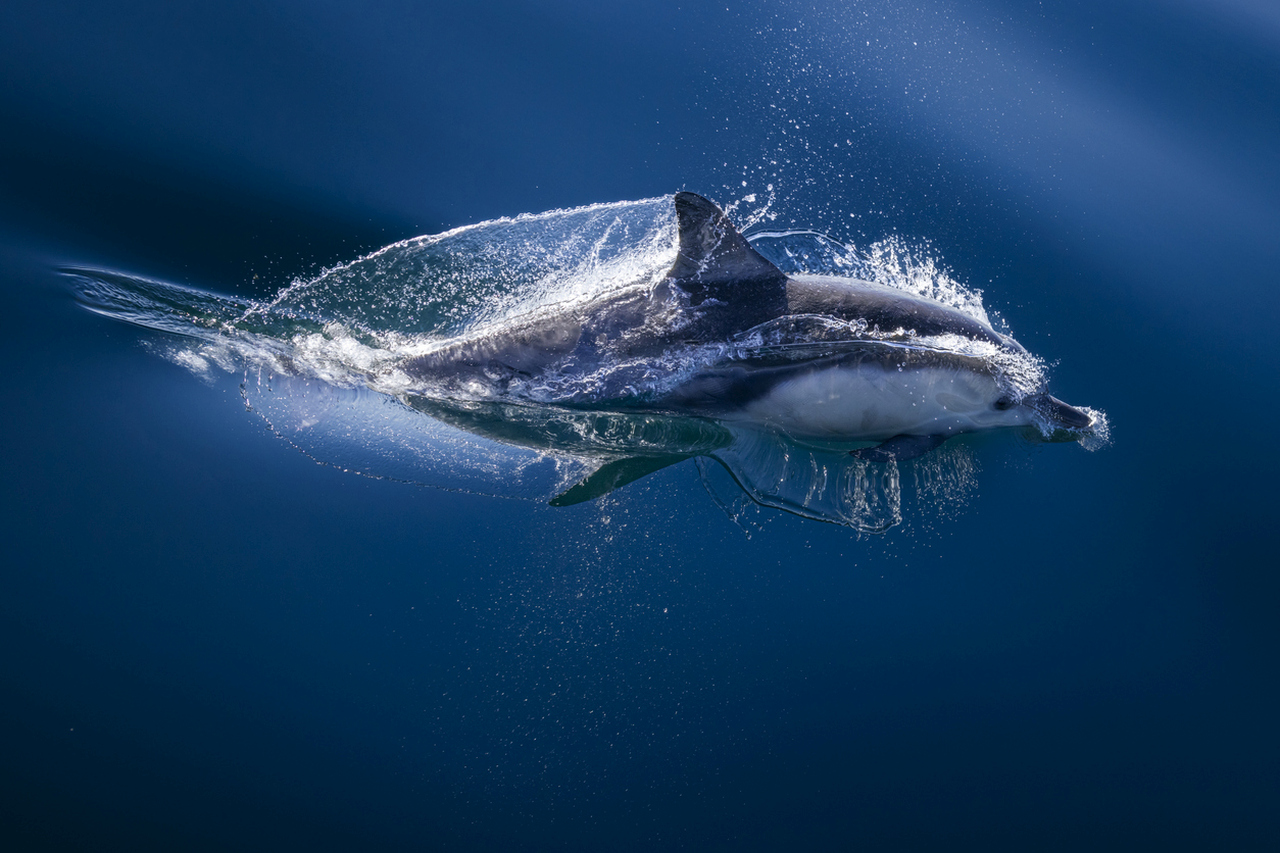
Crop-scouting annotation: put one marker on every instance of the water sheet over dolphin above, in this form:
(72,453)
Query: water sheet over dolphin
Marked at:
(726,334)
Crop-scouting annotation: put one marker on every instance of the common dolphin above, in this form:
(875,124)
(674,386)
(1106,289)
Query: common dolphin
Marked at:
(816,357)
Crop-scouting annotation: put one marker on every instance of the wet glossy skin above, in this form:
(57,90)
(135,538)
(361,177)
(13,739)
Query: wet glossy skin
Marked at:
(719,288)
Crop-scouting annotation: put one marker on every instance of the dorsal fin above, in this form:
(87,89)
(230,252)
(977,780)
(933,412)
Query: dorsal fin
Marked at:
(713,254)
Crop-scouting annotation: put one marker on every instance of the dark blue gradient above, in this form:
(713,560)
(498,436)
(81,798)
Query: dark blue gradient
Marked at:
(211,642)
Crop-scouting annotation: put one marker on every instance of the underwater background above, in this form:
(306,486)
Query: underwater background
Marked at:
(211,641)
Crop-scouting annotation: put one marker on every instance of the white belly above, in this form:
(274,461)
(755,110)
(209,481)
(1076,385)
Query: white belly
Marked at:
(873,403)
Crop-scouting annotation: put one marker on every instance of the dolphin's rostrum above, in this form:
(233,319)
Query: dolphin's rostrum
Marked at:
(814,357)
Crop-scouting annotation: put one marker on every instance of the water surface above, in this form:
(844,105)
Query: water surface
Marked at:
(215,642)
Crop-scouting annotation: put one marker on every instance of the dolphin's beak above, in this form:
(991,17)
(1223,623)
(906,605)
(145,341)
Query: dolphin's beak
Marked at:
(1059,412)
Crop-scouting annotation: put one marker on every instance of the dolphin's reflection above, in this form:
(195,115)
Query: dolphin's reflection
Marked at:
(824,483)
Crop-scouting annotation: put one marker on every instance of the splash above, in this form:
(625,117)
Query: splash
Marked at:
(893,262)
(442,285)
(320,363)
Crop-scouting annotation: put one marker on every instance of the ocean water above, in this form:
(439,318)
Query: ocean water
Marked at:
(257,597)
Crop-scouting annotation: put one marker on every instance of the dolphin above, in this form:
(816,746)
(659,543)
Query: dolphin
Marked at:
(815,357)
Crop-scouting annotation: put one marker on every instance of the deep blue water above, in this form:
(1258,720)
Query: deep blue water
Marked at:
(213,642)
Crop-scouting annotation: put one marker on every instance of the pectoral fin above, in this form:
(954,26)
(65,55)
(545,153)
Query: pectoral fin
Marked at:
(613,475)
(900,447)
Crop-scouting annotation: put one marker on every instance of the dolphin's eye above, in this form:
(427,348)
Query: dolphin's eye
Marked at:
(1003,403)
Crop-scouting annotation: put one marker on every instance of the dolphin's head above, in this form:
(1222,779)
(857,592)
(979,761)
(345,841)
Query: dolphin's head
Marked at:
(988,402)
